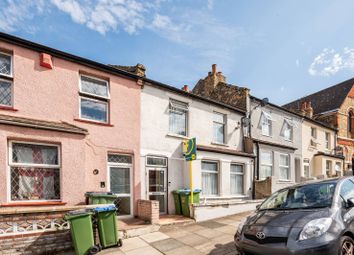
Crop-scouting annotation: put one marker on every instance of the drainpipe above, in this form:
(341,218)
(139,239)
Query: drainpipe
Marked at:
(255,171)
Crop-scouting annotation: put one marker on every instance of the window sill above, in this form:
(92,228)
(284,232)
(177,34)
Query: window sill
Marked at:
(6,77)
(288,140)
(220,144)
(270,136)
(284,181)
(32,203)
(177,136)
(8,108)
(94,122)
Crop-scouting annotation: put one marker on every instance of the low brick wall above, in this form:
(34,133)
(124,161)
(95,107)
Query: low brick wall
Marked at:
(37,230)
(149,210)
(263,188)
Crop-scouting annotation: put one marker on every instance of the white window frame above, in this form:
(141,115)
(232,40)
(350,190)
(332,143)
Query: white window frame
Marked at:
(122,165)
(307,164)
(211,172)
(284,166)
(288,123)
(11,164)
(328,140)
(314,134)
(11,65)
(159,157)
(330,165)
(12,92)
(266,119)
(186,110)
(94,98)
(239,174)
(266,164)
(224,116)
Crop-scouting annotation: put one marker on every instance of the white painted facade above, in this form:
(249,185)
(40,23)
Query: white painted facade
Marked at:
(156,140)
(276,144)
(318,151)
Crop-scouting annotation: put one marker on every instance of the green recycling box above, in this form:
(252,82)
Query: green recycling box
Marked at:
(107,226)
(185,196)
(82,232)
(94,198)
(177,199)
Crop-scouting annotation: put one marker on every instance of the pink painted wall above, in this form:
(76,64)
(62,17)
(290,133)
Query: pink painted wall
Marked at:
(45,94)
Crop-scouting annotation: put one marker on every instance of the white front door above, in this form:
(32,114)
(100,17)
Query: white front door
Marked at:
(157,188)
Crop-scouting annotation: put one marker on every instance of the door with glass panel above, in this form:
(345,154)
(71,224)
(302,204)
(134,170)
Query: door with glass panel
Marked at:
(120,182)
(157,189)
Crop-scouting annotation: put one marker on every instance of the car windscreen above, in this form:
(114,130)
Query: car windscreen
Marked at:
(314,195)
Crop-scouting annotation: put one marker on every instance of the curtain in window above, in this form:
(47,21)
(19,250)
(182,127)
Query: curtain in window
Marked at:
(210,178)
(236,179)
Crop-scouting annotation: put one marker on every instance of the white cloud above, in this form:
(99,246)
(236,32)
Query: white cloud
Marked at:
(329,62)
(14,14)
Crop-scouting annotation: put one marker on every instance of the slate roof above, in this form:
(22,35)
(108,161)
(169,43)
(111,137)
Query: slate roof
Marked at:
(41,124)
(325,100)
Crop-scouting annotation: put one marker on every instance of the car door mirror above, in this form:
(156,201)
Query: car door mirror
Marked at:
(350,202)
(258,206)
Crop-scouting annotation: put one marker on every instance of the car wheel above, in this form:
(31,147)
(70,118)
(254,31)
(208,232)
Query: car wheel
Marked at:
(347,246)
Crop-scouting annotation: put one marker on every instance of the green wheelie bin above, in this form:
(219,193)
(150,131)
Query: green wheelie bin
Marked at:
(177,199)
(185,196)
(82,232)
(94,198)
(107,226)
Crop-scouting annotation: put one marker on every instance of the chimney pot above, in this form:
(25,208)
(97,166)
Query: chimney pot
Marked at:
(185,88)
(213,69)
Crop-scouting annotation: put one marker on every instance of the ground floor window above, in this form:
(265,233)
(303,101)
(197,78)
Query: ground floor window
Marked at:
(236,179)
(307,173)
(266,164)
(120,174)
(34,171)
(210,178)
(284,166)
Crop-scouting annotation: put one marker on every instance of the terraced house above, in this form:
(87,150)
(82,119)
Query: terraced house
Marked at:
(68,125)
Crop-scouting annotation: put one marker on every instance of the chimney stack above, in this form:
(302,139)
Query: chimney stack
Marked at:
(309,110)
(185,88)
(213,69)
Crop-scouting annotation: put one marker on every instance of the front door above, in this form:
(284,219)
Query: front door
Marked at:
(157,189)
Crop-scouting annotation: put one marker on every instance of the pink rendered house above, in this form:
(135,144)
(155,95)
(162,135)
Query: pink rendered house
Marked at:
(68,125)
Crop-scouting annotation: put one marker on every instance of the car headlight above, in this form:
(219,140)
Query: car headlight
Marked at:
(240,226)
(315,228)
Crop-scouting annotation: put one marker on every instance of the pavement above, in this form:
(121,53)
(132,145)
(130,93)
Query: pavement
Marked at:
(210,237)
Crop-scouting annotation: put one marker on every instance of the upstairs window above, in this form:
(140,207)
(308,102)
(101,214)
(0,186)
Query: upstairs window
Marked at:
(178,117)
(313,132)
(266,124)
(351,124)
(5,64)
(328,140)
(287,130)
(6,90)
(219,122)
(94,98)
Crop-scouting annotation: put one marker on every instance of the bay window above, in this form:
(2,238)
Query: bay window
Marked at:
(94,99)
(236,179)
(178,117)
(34,171)
(210,178)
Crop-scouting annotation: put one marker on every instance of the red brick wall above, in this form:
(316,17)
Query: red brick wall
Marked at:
(149,210)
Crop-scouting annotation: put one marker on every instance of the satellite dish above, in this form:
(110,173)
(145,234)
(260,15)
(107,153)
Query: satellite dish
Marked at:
(246,122)
(264,101)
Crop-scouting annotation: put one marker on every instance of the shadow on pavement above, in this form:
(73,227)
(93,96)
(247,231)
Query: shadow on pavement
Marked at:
(224,249)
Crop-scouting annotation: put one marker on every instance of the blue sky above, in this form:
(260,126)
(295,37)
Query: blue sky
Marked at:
(281,49)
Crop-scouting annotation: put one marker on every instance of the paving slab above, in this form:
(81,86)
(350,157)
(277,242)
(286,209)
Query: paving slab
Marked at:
(211,224)
(193,239)
(177,233)
(209,233)
(193,227)
(167,245)
(133,243)
(144,250)
(231,230)
(184,250)
(223,239)
(153,237)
